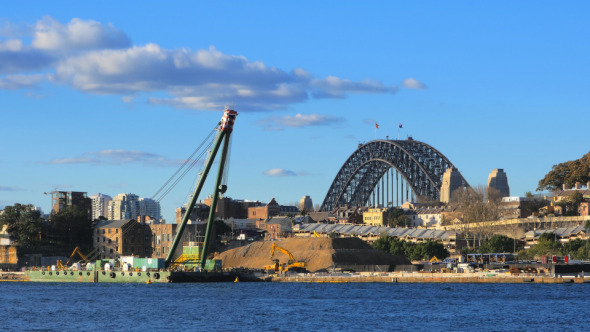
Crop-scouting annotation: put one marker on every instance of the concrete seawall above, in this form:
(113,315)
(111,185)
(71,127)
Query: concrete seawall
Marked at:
(434,278)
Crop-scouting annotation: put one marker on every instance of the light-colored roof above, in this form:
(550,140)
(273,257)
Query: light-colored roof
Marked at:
(417,233)
(559,232)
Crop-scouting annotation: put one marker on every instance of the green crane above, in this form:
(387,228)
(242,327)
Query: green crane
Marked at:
(225,130)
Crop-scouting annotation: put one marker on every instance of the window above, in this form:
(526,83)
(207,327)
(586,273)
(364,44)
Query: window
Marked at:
(111,251)
(98,239)
(117,230)
(110,241)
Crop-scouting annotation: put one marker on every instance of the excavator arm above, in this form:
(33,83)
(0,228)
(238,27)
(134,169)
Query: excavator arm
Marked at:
(284,251)
(76,250)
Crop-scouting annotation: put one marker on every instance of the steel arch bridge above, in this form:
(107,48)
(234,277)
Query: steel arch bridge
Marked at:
(419,164)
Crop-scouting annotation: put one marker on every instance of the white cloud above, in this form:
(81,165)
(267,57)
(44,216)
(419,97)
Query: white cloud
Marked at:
(117,157)
(299,121)
(413,83)
(12,45)
(280,172)
(98,58)
(13,82)
(50,34)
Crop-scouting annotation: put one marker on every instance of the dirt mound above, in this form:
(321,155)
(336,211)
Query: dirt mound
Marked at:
(317,253)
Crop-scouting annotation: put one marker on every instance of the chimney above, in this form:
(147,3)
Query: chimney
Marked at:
(588,185)
(578,185)
(564,186)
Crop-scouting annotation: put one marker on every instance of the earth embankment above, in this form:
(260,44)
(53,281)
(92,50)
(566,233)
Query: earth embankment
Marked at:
(318,254)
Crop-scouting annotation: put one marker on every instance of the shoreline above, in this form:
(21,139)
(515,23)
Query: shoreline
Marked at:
(396,277)
(389,277)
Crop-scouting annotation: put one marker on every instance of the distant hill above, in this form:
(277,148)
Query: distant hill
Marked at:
(567,173)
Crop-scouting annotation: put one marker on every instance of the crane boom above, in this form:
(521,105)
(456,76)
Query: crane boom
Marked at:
(225,130)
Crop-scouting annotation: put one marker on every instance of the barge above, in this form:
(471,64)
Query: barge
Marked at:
(133,277)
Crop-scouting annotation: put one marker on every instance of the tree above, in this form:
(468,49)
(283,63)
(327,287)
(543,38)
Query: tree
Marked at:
(567,173)
(497,244)
(24,224)
(571,203)
(221,227)
(413,251)
(475,208)
(397,218)
(69,228)
(382,243)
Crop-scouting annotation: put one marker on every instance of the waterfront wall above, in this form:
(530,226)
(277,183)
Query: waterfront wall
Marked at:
(435,278)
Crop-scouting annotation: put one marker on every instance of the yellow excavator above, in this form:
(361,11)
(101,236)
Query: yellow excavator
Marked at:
(77,250)
(291,265)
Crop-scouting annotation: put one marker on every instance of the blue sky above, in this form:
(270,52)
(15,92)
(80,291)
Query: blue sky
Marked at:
(108,96)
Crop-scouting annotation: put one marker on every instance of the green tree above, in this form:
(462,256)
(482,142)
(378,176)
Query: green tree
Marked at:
(573,247)
(567,173)
(69,228)
(546,245)
(221,227)
(413,251)
(571,203)
(382,243)
(25,224)
(397,218)
(497,244)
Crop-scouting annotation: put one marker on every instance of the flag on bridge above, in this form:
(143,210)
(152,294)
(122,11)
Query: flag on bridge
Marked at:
(376,125)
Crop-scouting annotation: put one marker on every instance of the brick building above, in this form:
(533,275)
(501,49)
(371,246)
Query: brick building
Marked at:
(229,208)
(116,238)
(162,236)
(264,212)
(200,213)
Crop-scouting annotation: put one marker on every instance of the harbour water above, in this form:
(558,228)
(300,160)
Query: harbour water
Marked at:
(292,306)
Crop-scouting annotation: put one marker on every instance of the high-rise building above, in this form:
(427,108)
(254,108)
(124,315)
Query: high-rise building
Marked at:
(149,207)
(62,199)
(306,204)
(451,181)
(100,205)
(499,181)
(124,206)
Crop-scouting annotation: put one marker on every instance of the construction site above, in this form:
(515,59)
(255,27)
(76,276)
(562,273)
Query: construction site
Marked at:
(311,255)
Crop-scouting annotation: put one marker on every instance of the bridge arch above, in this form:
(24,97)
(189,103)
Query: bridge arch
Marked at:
(420,165)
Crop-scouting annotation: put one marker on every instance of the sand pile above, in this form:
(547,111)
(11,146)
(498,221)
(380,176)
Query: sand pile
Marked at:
(317,253)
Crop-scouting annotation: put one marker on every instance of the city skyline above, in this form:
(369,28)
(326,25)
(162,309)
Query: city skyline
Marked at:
(106,98)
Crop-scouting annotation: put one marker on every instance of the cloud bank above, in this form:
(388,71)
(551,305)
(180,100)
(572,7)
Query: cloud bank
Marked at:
(299,121)
(117,157)
(99,58)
